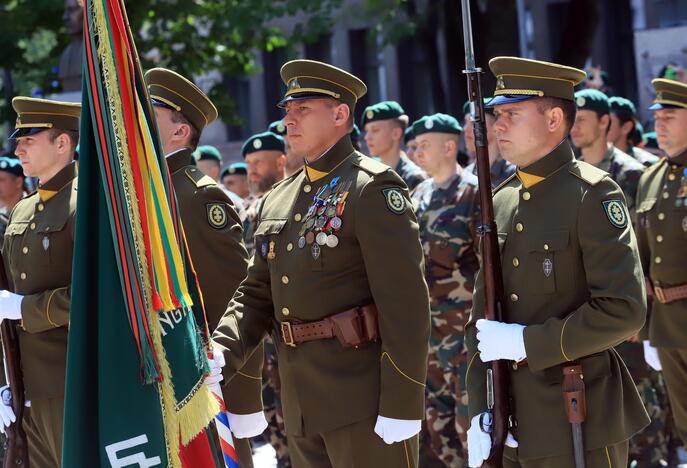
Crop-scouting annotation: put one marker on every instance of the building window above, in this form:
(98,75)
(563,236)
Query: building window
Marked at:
(274,87)
(320,49)
(365,64)
(416,86)
(239,90)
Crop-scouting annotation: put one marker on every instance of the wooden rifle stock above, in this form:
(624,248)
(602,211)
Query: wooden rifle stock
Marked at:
(17,447)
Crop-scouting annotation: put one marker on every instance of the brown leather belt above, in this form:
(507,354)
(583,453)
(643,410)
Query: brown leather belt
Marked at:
(351,327)
(666,294)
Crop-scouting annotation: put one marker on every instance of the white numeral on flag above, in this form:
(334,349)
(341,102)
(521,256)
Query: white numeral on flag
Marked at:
(138,459)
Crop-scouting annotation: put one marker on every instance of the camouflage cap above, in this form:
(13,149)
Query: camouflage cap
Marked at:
(669,93)
(308,79)
(35,115)
(277,127)
(237,168)
(207,153)
(519,79)
(384,110)
(170,89)
(11,165)
(622,107)
(266,141)
(437,123)
(592,100)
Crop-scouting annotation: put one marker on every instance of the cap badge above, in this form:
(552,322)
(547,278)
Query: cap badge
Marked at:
(499,83)
(429,124)
(257,143)
(580,101)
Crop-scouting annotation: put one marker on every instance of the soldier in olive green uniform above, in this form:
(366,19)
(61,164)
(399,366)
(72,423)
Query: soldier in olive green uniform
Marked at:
(37,251)
(625,131)
(572,282)
(213,233)
(338,273)
(662,234)
(385,124)
(11,190)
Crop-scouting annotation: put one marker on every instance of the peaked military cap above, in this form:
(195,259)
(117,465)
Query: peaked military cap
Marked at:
(308,79)
(11,165)
(384,110)
(206,153)
(277,127)
(237,168)
(437,123)
(488,109)
(519,79)
(622,106)
(35,115)
(592,100)
(266,141)
(170,89)
(669,93)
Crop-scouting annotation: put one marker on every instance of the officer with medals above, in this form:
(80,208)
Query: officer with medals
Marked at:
(572,280)
(37,251)
(385,124)
(662,235)
(625,132)
(337,275)
(447,209)
(213,233)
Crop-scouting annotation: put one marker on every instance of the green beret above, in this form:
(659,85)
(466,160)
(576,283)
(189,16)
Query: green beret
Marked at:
(11,165)
(488,109)
(266,141)
(384,110)
(650,140)
(237,168)
(355,133)
(593,100)
(207,153)
(437,123)
(622,107)
(409,134)
(277,127)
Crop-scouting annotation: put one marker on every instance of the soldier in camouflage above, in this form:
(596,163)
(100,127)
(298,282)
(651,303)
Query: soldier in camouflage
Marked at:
(651,446)
(625,132)
(447,210)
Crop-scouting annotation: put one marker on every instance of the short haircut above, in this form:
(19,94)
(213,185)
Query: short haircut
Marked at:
(179,118)
(72,134)
(569,109)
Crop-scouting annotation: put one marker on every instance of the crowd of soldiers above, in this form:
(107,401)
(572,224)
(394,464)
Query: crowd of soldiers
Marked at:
(339,268)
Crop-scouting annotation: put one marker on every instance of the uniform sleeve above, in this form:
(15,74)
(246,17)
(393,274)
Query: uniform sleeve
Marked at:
(243,393)
(629,186)
(644,253)
(387,232)
(616,308)
(46,310)
(475,375)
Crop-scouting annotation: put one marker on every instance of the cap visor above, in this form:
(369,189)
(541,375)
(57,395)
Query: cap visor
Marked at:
(658,105)
(22,132)
(162,104)
(508,99)
(301,97)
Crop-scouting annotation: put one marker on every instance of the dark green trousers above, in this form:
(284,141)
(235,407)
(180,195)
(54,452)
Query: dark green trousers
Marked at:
(674,363)
(614,456)
(352,446)
(43,425)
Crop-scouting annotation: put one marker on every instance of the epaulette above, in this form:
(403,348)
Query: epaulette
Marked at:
(660,163)
(198,178)
(587,173)
(368,164)
(504,183)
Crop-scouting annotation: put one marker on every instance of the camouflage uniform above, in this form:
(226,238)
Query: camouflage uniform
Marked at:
(275,434)
(411,174)
(448,215)
(500,171)
(651,446)
(643,156)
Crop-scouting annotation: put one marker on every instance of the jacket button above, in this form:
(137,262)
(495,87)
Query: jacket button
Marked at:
(546,247)
(289,247)
(671,177)
(516,262)
(661,216)
(514,365)
(307,189)
(23,276)
(514,297)
(658,260)
(526,196)
(285,279)
(666,195)
(659,238)
(25,250)
(285,311)
(519,227)
(41,207)
(297,217)
(32,226)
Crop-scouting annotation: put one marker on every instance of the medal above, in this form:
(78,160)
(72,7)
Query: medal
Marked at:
(684,224)
(548,267)
(335,223)
(271,255)
(301,242)
(334,182)
(331,211)
(321,222)
(332,241)
(315,250)
(321,238)
(46,243)
(310,238)
(263,249)
(310,223)
(321,210)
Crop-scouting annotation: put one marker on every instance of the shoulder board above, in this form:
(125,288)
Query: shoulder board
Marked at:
(368,164)
(661,162)
(587,173)
(198,178)
(505,182)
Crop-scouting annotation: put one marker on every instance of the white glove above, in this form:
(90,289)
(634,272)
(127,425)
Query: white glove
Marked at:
(7,416)
(498,340)
(244,426)
(651,356)
(395,430)
(216,363)
(10,305)
(479,442)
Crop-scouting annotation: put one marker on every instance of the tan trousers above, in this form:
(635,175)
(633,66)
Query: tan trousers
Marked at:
(614,456)
(43,425)
(352,446)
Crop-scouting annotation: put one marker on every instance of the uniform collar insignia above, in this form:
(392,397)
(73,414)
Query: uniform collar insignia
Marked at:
(49,189)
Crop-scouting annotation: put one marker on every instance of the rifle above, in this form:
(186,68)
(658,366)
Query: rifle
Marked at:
(575,407)
(16,447)
(497,374)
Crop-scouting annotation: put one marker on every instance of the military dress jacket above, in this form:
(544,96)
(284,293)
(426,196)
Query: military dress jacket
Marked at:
(378,260)
(37,252)
(214,237)
(571,275)
(662,235)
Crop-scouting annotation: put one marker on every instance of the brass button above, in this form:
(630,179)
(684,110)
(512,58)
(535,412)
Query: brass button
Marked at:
(514,365)
(658,260)
(659,238)
(285,279)
(671,177)
(25,250)
(665,195)
(23,276)
(514,297)
(516,262)
(519,227)
(526,196)
(661,216)
(32,226)
(307,189)
(298,217)
(285,311)
(289,247)
(546,246)
(41,207)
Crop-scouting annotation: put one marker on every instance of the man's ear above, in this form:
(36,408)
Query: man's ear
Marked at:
(555,119)
(342,115)
(182,133)
(627,127)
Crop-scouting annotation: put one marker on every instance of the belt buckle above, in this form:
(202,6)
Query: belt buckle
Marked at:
(287,334)
(660,295)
